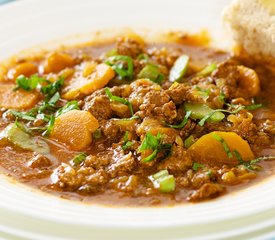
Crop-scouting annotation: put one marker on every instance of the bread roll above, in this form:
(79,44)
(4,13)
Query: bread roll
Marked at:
(252,24)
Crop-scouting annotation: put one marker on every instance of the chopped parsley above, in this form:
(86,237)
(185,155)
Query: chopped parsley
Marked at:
(251,165)
(224,144)
(151,142)
(183,123)
(119,99)
(30,83)
(253,107)
(122,65)
(72,105)
(209,115)
(50,125)
(196,166)
(126,142)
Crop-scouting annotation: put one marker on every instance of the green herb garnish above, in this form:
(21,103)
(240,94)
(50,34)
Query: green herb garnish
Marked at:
(253,107)
(30,83)
(151,142)
(207,70)
(72,105)
(143,56)
(211,115)
(151,72)
(78,159)
(179,68)
(50,89)
(183,123)
(122,65)
(22,115)
(196,166)
(119,99)
(126,142)
(203,93)
(251,165)
(224,144)
(97,134)
(47,132)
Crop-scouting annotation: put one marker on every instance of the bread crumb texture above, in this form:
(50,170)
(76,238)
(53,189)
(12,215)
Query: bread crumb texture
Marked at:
(252,25)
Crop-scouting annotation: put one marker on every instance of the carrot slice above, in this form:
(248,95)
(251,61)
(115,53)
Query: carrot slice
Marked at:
(208,149)
(99,78)
(75,129)
(19,99)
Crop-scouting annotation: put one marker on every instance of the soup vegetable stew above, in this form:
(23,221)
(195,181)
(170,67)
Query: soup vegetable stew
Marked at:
(130,122)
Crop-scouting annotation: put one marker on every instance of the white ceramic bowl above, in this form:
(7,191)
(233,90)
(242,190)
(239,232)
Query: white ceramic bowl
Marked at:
(29,214)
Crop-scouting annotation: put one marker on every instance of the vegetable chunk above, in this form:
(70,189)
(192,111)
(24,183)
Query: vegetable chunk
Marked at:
(75,128)
(217,149)
(18,137)
(85,86)
(19,99)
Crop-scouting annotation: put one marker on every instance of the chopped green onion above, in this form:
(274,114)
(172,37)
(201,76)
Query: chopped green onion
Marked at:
(224,144)
(253,107)
(196,166)
(72,105)
(179,68)
(122,65)
(151,72)
(184,121)
(207,70)
(78,159)
(189,141)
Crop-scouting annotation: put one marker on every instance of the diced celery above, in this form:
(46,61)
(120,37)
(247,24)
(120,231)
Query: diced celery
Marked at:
(199,111)
(179,68)
(23,140)
(167,184)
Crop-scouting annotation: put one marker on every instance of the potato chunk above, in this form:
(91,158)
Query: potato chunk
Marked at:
(26,69)
(98,79)
(56,62)
(19,99)
(75,129)
(211,151)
